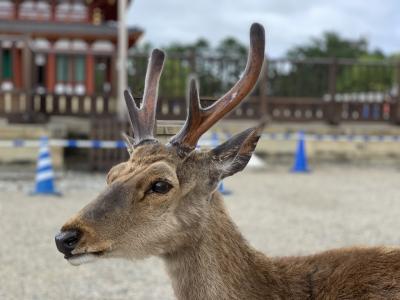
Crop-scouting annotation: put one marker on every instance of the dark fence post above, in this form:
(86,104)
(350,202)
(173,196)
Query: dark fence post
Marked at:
(29,103)
(192,61)
(263,89)
(396,113)
(333,109)
(1,64)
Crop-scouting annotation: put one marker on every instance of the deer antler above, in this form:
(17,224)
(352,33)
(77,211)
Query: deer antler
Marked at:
(199,119)
(143,119)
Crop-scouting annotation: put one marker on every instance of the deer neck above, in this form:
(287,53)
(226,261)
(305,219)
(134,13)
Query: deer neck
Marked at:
(220,264)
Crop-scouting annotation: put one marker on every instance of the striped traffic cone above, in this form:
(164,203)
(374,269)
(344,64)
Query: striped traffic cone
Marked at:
(44,171)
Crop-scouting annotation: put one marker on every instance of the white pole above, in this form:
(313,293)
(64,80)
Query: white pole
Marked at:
(122,57)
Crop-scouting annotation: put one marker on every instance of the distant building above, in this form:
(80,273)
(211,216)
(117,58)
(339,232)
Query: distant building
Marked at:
(59,47)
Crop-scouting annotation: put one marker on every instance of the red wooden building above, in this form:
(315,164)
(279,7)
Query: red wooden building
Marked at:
(58,47)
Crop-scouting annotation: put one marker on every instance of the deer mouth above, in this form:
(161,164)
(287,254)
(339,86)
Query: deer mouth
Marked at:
(83,258)
(69,242)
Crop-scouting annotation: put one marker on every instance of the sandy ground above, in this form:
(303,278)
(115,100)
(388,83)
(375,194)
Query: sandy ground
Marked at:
(279,212)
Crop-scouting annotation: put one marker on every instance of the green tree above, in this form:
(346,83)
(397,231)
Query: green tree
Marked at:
(330,44)
(305,78)
(217,68)
(175,72)
(231,47)
(371,76)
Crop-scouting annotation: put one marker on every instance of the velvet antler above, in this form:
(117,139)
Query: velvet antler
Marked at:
(143,118)
(199,119)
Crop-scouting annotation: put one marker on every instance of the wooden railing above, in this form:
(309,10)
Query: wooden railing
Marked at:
(22,107)
(313,109)
(324,90)
(33,107)
(107,129)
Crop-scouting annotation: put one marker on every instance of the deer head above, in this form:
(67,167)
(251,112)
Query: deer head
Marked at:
(158,200)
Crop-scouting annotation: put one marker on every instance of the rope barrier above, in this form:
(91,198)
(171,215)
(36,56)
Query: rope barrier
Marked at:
(118,144)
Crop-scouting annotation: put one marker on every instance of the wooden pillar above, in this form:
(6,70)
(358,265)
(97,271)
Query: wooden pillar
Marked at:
(53,10)
(16,9)
(27,76)
(90,8)
(333,109)
(1,65)
(396,113)
(27,66)
(51,72)
(122,58)
(263,89)
(16,67)
(114,75)
(89,73)
(70,72)
(192,61)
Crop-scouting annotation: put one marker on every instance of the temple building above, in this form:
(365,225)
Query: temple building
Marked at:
(59,47)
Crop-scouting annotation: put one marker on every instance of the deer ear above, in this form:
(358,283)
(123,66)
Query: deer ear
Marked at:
(129,142)
(233,155)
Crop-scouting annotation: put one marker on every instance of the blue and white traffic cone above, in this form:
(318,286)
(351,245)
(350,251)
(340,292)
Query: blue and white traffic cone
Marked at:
(300,160)
(215,143)
(44,171)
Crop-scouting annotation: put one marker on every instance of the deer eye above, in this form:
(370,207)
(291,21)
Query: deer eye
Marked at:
(160,187)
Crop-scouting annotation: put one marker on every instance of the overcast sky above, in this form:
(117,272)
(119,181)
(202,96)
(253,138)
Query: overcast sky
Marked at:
(287,22)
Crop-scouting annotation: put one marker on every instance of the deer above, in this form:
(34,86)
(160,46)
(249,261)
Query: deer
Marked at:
(163,201)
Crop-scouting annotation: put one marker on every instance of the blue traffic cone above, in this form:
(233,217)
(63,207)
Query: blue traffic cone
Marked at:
(222,189)
(44,171)
(300,159)
(214,140)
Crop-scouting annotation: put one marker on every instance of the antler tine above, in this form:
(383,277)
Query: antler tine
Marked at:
(199,120)
(143,118)
(193,99)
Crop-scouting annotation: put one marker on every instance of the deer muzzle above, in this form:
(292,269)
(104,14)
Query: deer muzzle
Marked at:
(66,241)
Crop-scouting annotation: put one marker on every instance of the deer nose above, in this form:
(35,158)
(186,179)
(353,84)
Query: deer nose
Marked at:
(66,241)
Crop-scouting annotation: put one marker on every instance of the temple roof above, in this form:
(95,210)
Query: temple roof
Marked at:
(110,8)
(55,30)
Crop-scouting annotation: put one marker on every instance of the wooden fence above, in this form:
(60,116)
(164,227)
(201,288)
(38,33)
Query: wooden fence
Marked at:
(107,129)
(32,107)
(323,90)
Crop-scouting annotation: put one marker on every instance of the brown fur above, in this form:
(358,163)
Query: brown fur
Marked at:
(205,255)
(188,226)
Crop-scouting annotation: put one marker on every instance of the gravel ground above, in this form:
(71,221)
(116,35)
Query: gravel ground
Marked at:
(279,212)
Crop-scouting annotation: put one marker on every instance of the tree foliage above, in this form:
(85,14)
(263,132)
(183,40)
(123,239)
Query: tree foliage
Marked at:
(299,78)
(215,67)
(219,67)
(329,45)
